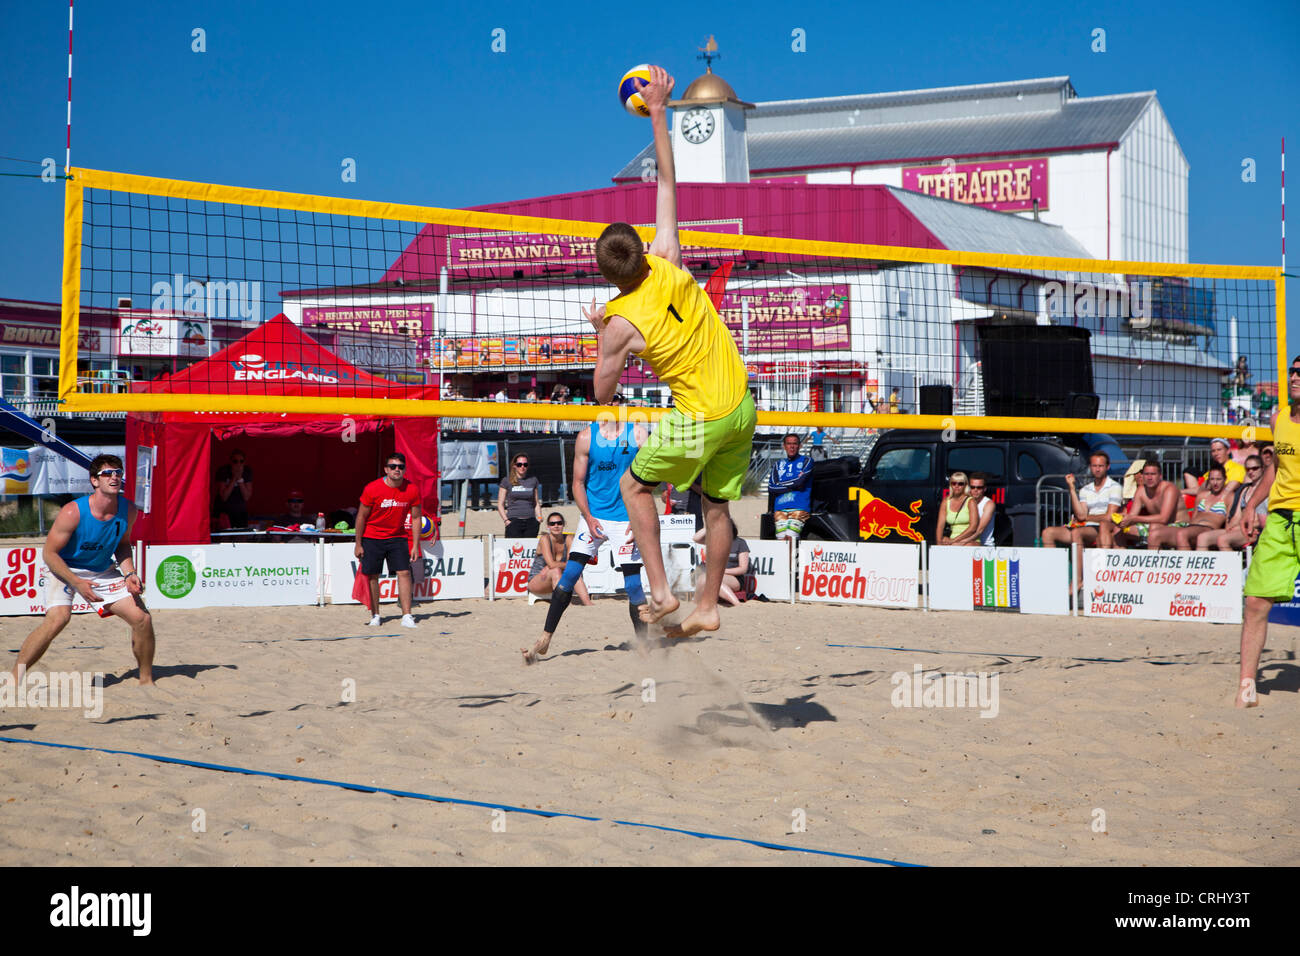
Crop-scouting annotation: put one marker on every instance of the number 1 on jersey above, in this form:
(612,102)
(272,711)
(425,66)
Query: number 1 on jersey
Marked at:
(674,313)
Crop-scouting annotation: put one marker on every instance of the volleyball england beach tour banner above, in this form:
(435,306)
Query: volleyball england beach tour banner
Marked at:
(839,572)
(450,569)
(1163,585)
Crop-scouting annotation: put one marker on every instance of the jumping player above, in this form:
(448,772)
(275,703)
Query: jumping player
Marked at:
(1276,561)
(663,315)
(88,553)
(601,456)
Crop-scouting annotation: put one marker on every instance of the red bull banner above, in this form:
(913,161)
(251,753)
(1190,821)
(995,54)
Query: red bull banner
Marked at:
(448,569)
(1163,585)
(838,572)
(879,519)
(1018,580)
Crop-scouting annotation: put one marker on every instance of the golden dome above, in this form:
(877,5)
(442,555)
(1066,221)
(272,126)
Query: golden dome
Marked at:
(709,88)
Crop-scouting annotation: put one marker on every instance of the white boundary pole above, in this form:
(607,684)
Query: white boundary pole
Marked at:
(491,582)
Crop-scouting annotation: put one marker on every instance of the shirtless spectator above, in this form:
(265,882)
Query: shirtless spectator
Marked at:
(1210,514)
(1092,507)
(1156,504)
(1233,536)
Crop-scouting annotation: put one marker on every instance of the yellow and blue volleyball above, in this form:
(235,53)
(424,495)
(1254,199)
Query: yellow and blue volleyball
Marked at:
(628,93)
(426,528)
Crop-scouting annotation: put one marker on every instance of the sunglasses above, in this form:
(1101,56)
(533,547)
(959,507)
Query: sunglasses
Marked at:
(1254,468)
(111,473)
(1292,371)
(976,487)
(396,467)
(521,464)
(957,484)
(556,524)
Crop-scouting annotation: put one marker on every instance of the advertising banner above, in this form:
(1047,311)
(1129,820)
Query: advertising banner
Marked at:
(23,576)
(142,333)
(841,572)
(1287,612)
(531,350)
(769,569)
(531,253)
(15,469)
(1163,585)
(412,320)
(450,569)
(468,459)
(52,474)
(231,575)
(1022,580)
(1004,186)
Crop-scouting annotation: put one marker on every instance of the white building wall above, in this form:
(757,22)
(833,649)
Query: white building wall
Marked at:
(1155,174)
(1076,198)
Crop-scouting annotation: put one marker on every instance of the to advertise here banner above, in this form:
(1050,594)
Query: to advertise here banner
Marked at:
(842,572)
(1163,585)
(450,569)
(231,575)
(1023,580)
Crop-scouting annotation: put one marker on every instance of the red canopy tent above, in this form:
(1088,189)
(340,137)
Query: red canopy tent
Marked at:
(327,457)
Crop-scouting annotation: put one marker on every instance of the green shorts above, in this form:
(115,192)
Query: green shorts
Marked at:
(1276,561)
(681,448)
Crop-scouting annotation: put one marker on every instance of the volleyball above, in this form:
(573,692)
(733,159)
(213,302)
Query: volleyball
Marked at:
(628,93)
(426,528)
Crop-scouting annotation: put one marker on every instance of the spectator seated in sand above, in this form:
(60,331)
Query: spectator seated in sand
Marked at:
(1209,514)
(1156,504)
(548,564)
(1234,536)
(733,590)
(1093,506)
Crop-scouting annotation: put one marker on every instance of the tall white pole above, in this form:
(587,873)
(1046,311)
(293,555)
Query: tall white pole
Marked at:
(67,156)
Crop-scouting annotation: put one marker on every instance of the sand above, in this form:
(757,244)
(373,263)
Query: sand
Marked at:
(762,732)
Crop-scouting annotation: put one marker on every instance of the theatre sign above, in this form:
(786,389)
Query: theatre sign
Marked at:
(1004,186)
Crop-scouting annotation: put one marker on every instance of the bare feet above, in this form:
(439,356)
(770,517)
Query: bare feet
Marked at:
(653,610)
(537,650)
(1246,695)
(694,623)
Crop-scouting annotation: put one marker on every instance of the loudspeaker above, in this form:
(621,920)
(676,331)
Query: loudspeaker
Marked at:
(1082,405)
(936,399)
(1034,370)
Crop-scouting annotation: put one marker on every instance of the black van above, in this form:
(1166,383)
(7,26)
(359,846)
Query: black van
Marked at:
(895,497)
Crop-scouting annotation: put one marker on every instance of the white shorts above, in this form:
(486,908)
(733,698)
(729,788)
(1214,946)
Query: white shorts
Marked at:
(109,587)
(584,542)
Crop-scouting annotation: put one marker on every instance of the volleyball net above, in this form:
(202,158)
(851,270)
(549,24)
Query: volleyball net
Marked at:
(182,296)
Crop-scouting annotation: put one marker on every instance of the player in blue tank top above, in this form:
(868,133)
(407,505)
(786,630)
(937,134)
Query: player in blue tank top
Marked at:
(88,552)
(601,455)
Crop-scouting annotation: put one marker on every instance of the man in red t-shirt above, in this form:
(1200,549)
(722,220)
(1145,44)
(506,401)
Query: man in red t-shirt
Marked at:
(389,506)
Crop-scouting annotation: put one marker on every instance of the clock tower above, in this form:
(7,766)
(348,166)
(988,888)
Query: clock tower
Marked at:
(709,130)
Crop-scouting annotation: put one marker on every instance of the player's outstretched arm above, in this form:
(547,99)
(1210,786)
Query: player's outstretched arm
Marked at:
(666,244)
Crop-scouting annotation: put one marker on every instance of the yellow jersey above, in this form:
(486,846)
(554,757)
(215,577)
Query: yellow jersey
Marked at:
(1285,492)
(686,343)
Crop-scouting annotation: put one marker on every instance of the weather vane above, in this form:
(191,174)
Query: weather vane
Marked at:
(709,53)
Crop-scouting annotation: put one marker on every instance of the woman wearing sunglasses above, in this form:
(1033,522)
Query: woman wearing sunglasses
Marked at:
(519,501)
(552,556)
(956,512)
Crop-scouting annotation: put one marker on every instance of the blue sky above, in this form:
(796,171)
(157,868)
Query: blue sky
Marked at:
(414,93)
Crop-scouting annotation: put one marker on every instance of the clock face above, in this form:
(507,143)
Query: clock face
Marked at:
(697,125)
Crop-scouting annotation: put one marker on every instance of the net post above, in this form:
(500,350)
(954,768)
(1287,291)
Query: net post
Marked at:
(1283,389)
(73,207)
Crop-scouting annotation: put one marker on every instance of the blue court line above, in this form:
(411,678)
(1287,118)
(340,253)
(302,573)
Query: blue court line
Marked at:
(453,800)
(1032,657)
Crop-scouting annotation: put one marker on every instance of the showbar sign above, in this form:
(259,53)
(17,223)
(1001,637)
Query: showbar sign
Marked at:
(1004,186)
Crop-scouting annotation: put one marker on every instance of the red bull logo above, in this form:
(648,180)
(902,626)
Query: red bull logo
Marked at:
(877,518)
